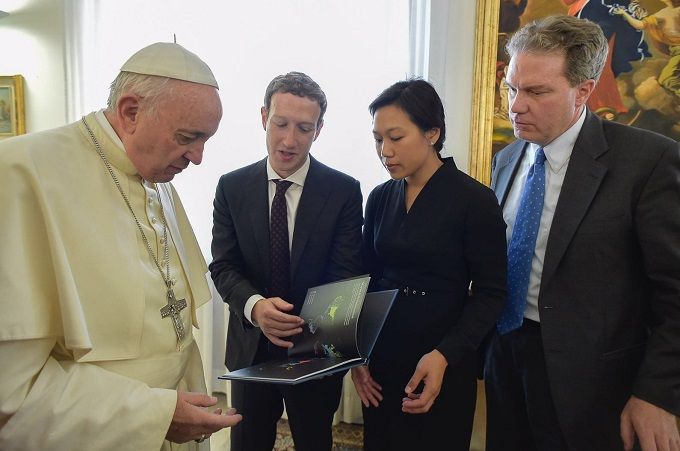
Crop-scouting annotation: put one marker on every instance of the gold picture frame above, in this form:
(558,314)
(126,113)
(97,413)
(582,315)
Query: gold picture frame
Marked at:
(12,114)
(483,90)
(634,88)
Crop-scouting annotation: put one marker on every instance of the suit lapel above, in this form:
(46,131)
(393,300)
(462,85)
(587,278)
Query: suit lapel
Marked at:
(505,169)
(314,197)
(581,183)
(257,203)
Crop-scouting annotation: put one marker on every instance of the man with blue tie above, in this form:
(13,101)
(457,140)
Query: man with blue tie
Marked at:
(586,355)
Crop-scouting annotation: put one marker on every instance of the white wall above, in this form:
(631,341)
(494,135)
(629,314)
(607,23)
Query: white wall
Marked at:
(33,34)
(246,45)
(32,38)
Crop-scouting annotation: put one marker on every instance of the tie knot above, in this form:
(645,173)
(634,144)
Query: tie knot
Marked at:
(540,156)
(282,186)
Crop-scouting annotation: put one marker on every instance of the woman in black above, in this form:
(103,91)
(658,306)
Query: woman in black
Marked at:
(439,237)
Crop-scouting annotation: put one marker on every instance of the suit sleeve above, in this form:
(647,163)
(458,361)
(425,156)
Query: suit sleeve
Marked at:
(657,221)
(51,404)
(494,173)
(485,254)
(345,254)
(228,266)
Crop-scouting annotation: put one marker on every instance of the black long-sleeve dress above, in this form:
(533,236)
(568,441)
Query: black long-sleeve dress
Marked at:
(447,256)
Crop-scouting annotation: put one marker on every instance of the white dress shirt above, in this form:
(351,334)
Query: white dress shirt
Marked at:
(557,155)
(293,194)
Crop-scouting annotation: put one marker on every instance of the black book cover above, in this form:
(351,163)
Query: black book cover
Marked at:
(342,323)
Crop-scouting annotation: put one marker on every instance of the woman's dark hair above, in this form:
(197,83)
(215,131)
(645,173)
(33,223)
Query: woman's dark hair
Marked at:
(419,100)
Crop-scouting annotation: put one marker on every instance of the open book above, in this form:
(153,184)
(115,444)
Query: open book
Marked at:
(342,324)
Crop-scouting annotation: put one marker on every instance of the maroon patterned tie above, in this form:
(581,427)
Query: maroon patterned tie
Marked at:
(279,252)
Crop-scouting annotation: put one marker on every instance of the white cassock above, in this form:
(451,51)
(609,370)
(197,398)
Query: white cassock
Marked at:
(86,361)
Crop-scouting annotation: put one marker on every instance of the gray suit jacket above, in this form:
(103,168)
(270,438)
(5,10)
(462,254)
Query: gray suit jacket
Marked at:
(326,243)
(610,290)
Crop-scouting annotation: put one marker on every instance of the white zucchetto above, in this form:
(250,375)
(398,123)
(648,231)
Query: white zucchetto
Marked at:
(166,59)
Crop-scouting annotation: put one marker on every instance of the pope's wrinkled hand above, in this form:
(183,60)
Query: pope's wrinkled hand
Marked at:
(430,371)
(368,389)
(271,317)
(192,421)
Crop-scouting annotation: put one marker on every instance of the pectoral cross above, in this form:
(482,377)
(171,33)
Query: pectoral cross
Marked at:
(173,309)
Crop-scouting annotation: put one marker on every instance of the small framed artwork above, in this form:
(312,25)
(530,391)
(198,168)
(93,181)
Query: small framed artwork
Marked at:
(12,116)
(640,85)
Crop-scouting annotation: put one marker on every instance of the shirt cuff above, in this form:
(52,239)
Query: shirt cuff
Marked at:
(248,309)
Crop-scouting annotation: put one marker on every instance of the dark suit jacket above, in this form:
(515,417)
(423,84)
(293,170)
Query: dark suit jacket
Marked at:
(610,290)
(326,243)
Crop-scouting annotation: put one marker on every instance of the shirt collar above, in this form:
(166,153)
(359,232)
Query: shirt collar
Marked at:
(104,123)
(558,152)
(298,177)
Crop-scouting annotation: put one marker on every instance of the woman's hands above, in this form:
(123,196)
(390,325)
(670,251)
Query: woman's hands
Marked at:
(429,371)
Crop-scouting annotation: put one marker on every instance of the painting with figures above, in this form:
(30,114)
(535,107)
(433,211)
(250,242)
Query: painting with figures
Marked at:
(640,85)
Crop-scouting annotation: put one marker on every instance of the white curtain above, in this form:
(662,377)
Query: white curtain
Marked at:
(419,38)
(450,69)
(80,20)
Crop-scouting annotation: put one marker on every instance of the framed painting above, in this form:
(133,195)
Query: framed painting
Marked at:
(640,85)
(12,117)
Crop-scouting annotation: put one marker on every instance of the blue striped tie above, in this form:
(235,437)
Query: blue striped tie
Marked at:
(523,244)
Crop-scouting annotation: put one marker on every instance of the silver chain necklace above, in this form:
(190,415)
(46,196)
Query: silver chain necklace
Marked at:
(173,306)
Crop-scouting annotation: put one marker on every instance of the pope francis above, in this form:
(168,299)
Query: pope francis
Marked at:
(100,272)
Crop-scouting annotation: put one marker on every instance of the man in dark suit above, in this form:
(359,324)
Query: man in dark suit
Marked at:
(317,212)
(587,352)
